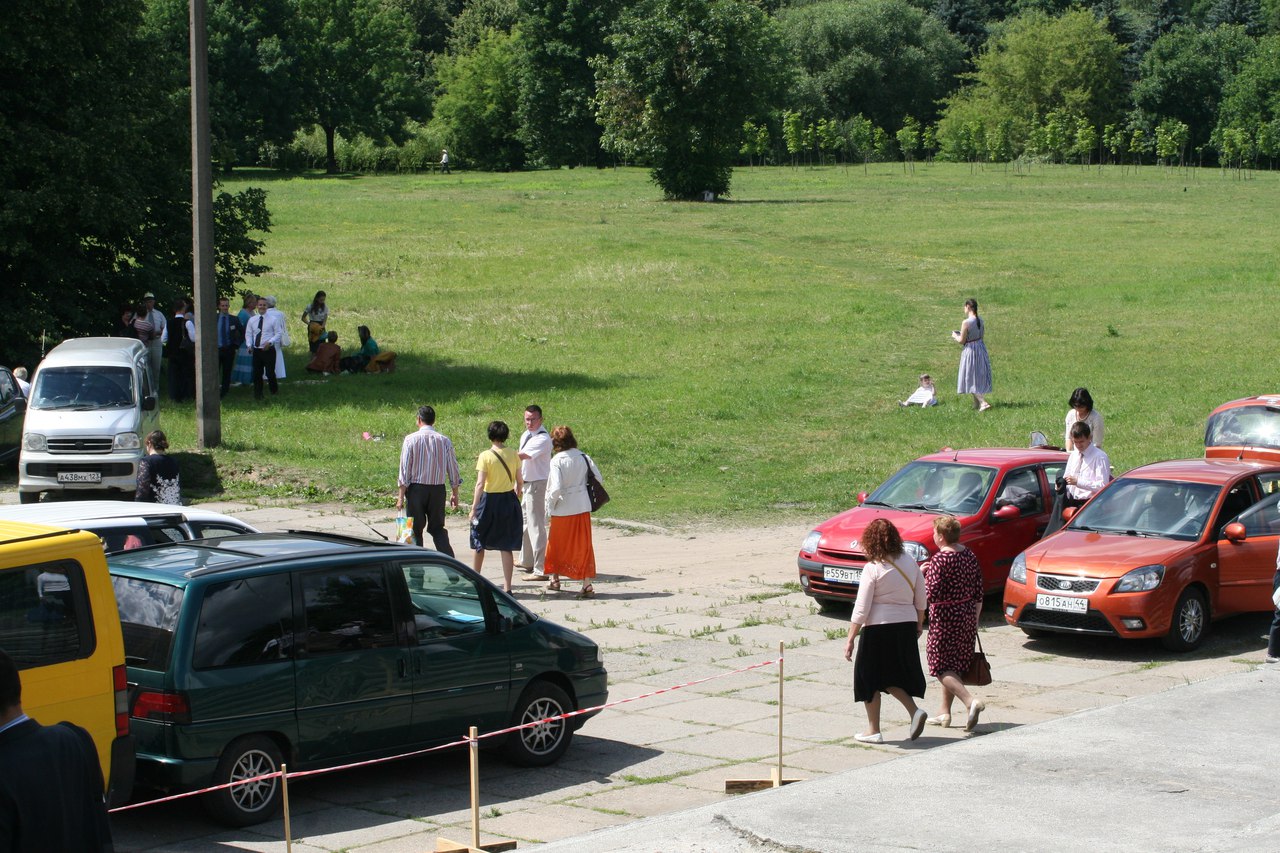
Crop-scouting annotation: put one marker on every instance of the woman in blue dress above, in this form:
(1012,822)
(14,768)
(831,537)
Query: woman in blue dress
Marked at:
(975,365)
(242,369)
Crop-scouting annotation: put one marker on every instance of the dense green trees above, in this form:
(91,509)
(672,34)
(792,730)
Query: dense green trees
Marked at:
(94,184)
(684,76)
(480,90)
(884,59)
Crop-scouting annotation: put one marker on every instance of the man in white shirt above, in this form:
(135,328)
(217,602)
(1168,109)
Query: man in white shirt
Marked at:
(535,467)
(1088,468)
(263,333)
(20,376)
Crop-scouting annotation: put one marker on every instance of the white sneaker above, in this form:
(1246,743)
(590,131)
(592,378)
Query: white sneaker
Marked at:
(1270,659)
(875,738)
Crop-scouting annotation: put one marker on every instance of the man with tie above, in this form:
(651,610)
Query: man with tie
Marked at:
(535,467)
(230,336)
(264,334)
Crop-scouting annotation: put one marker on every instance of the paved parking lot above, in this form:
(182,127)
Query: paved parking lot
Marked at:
(674,607)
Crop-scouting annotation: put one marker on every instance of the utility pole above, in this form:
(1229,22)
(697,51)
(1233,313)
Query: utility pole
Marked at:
(205,291)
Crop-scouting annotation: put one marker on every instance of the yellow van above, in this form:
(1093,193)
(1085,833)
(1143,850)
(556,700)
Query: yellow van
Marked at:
(59,623)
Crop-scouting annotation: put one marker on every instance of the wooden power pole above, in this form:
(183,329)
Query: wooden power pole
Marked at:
(205,291)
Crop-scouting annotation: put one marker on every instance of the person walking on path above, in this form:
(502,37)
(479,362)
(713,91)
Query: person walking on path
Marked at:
(889,616)
(444,161)
(535,467)
(953,587)
(264,332)
(51,791)
(495,509)
(974,376)
(427,465)
(569,550)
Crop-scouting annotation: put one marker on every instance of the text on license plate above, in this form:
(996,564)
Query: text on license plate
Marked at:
(1065,603)
(80,477)
(830,573)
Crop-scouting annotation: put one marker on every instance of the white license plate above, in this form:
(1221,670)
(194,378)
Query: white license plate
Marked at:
(830,573)
(80,477)
(1064,603)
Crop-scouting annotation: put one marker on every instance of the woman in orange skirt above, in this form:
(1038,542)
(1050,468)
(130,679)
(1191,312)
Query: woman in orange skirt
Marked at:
(569,551)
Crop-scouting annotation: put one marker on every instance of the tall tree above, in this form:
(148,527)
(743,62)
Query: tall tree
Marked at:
(964,19)
(360,71)
(476,108)
(560,38)
(1240,13)
(1251,99)
(684,77)
(254,96)
(884,59)
(95,187)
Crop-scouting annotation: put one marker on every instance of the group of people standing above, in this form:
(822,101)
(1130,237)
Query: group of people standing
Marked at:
(516,491)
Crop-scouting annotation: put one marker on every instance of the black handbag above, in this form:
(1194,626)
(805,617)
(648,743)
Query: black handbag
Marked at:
(595,491)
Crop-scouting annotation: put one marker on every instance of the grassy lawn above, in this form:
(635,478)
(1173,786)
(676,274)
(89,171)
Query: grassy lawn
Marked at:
(744,360)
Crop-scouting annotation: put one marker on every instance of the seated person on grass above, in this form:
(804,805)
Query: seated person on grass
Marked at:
(328,356)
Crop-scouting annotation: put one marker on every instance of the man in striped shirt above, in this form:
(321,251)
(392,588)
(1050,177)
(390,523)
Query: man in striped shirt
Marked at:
(427,463)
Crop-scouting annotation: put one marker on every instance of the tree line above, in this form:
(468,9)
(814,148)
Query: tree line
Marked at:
(93,107)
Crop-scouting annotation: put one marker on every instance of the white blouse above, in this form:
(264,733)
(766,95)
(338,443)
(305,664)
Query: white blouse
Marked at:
(567,483)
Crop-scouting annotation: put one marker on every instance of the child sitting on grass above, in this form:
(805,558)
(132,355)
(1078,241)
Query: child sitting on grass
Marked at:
(924,396)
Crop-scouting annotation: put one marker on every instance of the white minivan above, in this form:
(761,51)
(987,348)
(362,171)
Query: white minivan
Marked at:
(90,409)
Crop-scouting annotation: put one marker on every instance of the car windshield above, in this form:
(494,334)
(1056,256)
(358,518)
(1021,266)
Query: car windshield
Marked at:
(1246,426)
(83,388)
(947,487)
(1166,509)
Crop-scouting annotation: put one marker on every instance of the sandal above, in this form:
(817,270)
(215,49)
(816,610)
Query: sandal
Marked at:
(554,586)
(588,591)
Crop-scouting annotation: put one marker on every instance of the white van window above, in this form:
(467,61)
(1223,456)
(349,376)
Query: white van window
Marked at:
(44,614)
(83,388)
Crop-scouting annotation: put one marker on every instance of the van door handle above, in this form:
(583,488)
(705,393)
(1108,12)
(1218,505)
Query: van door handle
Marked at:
(404,668)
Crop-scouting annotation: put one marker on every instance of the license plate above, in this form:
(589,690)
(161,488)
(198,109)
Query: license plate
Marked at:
(830,573)
(1064,603)
(80,477)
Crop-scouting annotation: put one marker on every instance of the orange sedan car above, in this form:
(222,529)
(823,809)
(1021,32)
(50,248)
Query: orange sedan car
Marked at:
(1158,553)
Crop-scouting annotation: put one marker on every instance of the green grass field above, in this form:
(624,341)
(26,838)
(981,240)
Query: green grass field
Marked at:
(743,360)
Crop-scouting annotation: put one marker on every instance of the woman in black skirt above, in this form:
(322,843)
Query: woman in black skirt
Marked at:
(889,615)
(497,523)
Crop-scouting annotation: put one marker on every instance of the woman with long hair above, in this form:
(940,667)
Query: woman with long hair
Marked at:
(889,617)
(974,376)
(315,315)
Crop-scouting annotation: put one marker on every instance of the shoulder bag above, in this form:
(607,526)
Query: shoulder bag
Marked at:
(979,672)
(595,491)
(503,463)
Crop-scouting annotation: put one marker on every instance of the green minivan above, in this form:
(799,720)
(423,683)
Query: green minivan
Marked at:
(315,649)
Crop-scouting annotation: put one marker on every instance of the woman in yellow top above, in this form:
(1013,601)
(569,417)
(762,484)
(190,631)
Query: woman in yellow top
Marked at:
(496,521)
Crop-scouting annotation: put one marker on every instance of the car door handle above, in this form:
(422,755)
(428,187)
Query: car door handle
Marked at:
(404,667)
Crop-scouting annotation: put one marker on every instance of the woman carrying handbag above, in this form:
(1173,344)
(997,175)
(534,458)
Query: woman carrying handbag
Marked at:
(953,581)
(569,550)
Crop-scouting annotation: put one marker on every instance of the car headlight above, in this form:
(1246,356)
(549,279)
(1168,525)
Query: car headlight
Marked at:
(916,551)
(1018,571)
(126,441)
(1140,579)
(810,543)
(34,442)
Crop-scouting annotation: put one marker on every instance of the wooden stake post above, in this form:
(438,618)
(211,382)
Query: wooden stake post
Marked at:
(746,786)
(444,845)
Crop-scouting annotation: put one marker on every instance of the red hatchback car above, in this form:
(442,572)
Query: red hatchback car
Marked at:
(1158,553)
(1245,429)
(1002,496)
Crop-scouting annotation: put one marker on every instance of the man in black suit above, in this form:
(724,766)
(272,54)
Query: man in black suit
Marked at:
(230,336)
(50,780)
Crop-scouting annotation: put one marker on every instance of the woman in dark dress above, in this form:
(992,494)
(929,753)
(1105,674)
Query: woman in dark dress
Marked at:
(953,580)
(158,473)
(496,520)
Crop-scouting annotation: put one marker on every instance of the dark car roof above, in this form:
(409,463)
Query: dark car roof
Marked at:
(182,561)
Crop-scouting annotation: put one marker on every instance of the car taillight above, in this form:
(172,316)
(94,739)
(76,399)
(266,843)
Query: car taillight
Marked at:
(163,706)
(120,686)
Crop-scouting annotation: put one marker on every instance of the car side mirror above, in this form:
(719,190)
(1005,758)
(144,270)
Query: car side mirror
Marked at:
(1235,532)
(1008,513)
(862,497)
(1069,513)
(148,404)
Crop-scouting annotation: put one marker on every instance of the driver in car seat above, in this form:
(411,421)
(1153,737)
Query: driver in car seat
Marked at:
(1088,468)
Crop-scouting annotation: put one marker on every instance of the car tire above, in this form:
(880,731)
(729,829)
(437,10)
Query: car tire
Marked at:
(831,605)
(29,497)
(255,802)
(543,744)
(1190,621)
